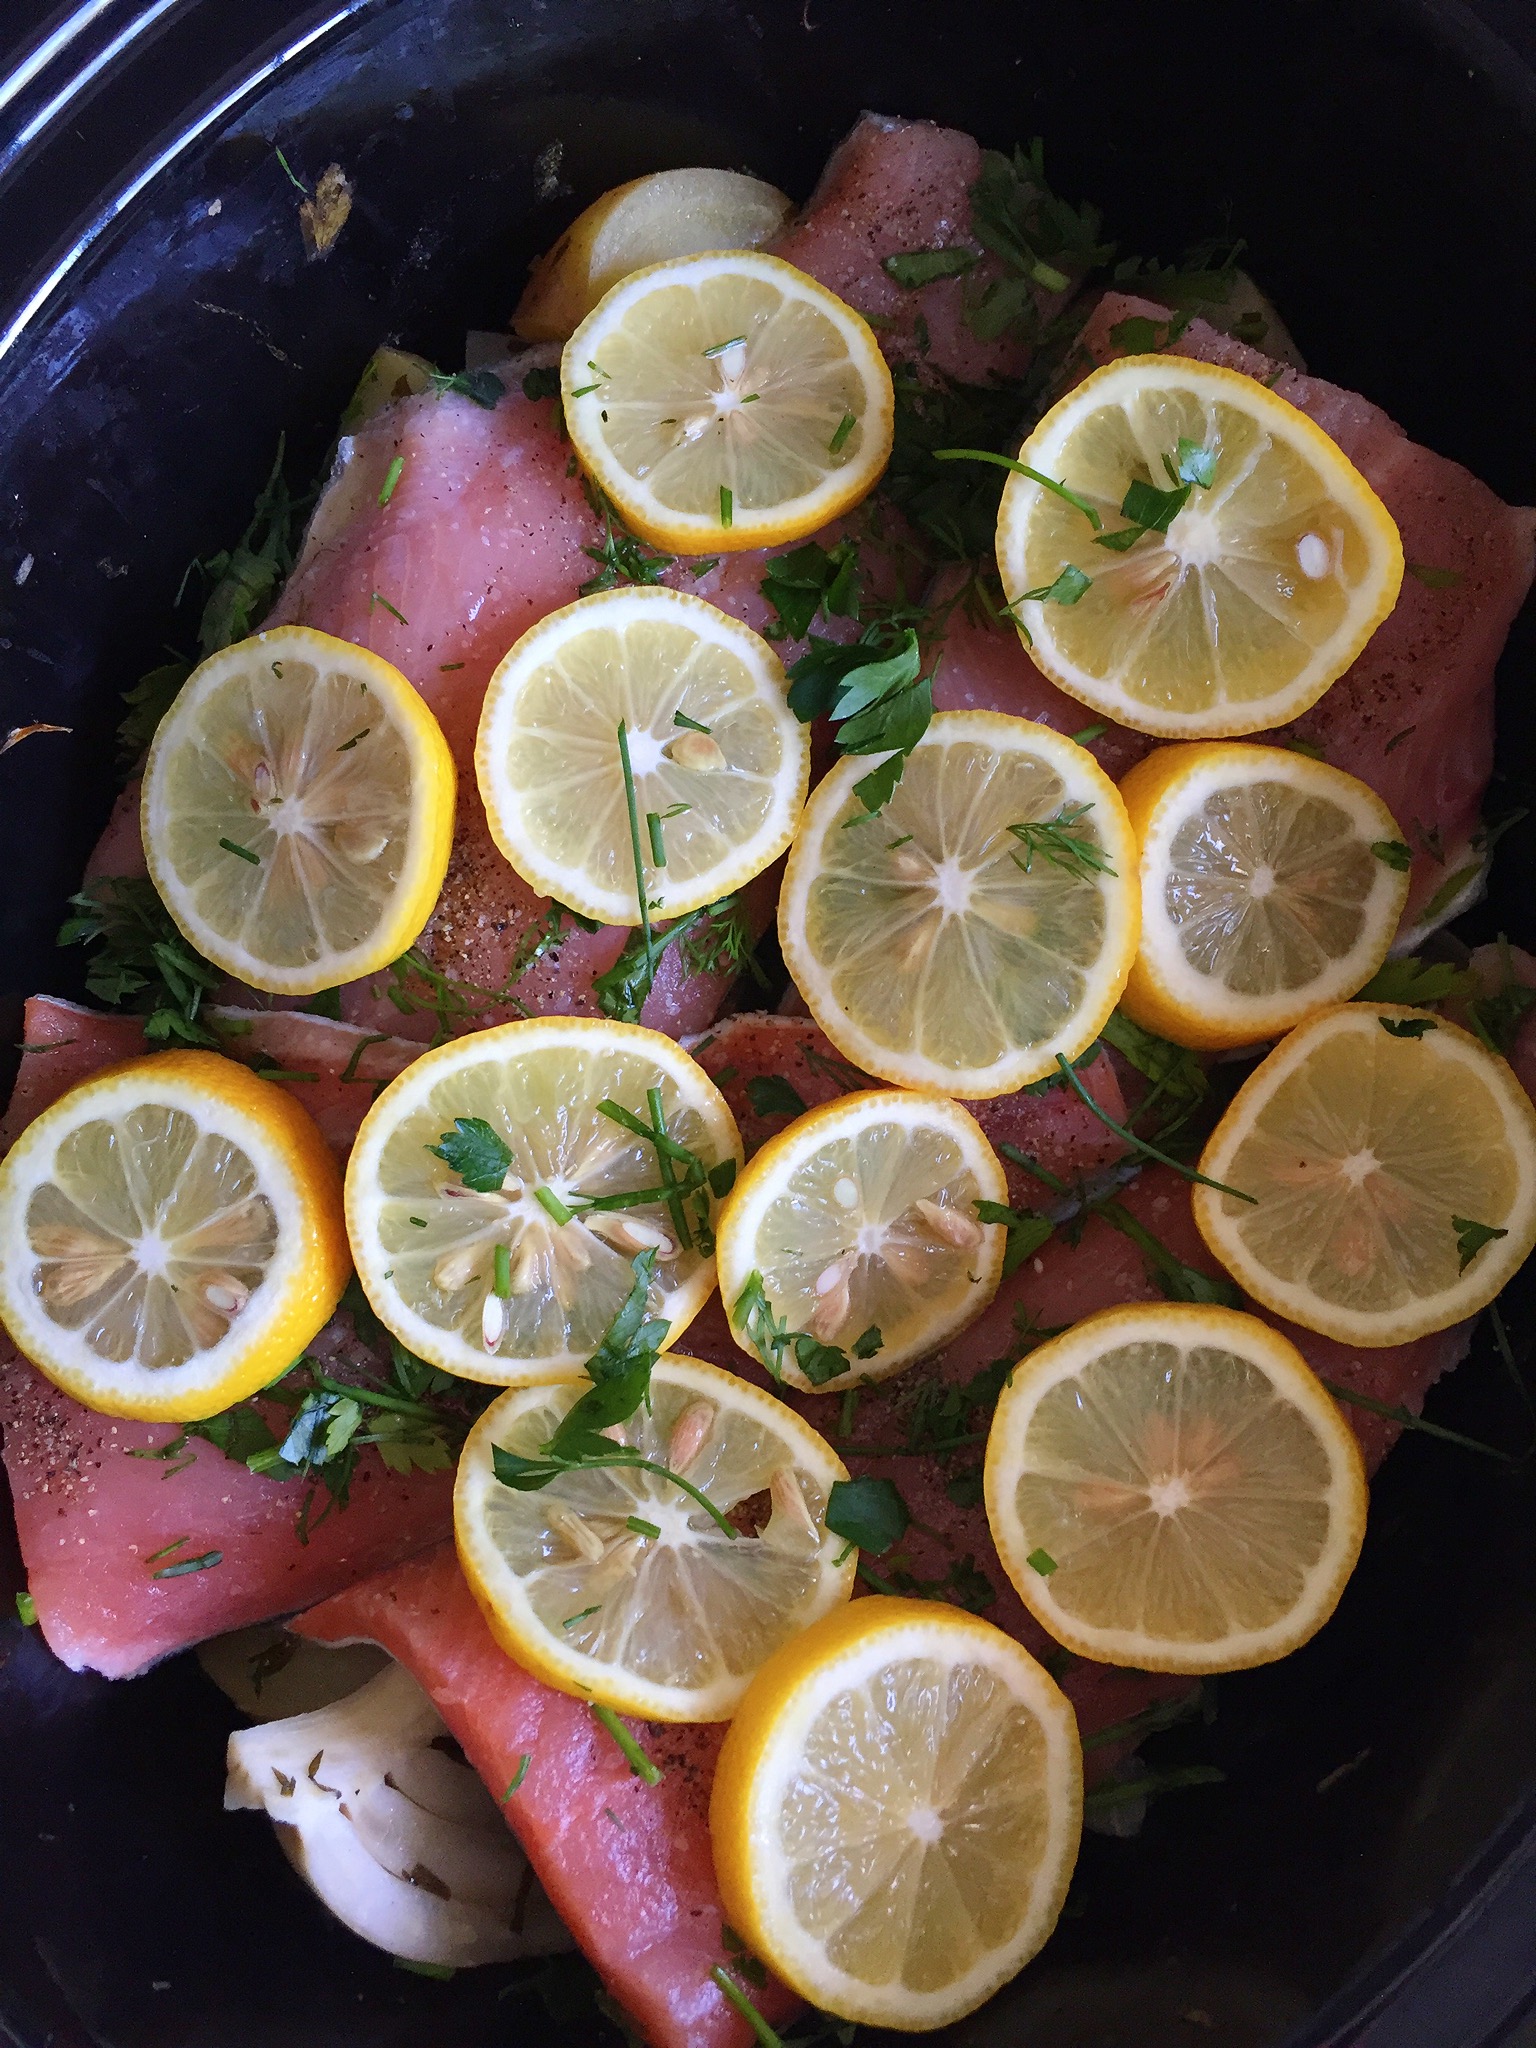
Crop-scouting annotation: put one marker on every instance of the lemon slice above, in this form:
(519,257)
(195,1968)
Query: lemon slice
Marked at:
(860,1222)
(1170,1487)
(1271,886)
(718,804)
(1267,583)
(426,1238)
(669,213)
(896,1812)
(173,1236)
(984,922)
(1393,1159)
(297,811)
(614,1583)
(727,401)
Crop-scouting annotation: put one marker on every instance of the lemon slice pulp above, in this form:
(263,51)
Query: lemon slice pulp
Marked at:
(669,213)
(1393,1161)
(860,1221)
(896,1812)
(984,922)
(1170,1487)
(426,1242)
(727,401)
(1271,887)
(614,1583)
(173,1235)
(718,761)
(1268,581)
(298,811)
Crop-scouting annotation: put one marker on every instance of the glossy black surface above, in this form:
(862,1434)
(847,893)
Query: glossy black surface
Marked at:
(1380,161)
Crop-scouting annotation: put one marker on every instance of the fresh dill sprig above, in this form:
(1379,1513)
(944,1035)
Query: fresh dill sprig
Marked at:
(1056,840)
(621,556)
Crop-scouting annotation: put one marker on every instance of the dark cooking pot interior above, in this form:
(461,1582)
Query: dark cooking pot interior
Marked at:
(1379,161)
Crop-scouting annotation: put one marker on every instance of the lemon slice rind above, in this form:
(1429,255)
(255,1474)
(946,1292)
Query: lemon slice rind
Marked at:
(205,1127)
(637,1599)
(1057,1598)
(805,365)
(797,1174)
(550,773)
(1192,393)
(648,220)
(864,1650)
(297,763)
(1497,1102)
(828,846)
(1166,793)
(392,1179)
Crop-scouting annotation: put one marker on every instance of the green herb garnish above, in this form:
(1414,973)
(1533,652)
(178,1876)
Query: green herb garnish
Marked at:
(476,1153)
(869,1513)
(1054,839)
(634,1755)
(1471,1237)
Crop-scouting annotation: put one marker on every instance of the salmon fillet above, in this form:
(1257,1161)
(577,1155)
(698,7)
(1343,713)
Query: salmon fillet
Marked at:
(89,1514)
(1413,716)
(626,1865)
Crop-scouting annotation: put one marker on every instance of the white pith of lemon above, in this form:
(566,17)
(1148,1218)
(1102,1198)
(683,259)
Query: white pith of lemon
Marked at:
(938,949)
(1379,1158)
(649,220)
(727,401)
(297,811)
(725,800)
(173,1236)
(670,1625)
(1261,592)
(1271,887)
(896,1812)
(1170,1487)
(861,1217)
(425,1248)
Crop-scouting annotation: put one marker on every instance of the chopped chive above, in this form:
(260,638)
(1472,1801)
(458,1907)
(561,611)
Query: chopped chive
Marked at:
(349,1071)
(845,427)
(634,842)
(204,1563)
(702,568)
(584,390)
(522,1771)
(156,1555)
(26,1609)
(1141,1145)
(445,668)
(1035,476)
(291,175)
(690,724)
(727,514)
(379,598)
(245,853)
(1274,378)
(501,1272)
(1089,733)
(571,1620)
(1041,1561)
(551,1204)
(642,1528)
(391,478)
(282,1074)
(658,844)
(766,2036)
(720,347)
(347,745)
(420,1222)
(892,844)
(1398,738)
(634,1755)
